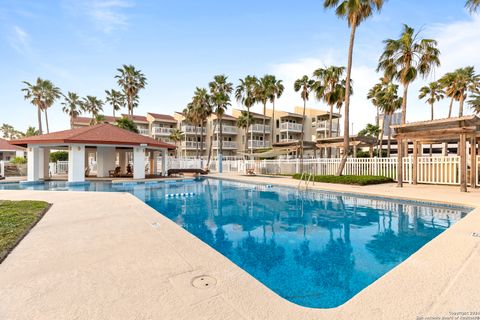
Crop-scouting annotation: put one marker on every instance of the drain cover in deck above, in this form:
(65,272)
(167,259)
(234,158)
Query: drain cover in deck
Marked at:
(204,282)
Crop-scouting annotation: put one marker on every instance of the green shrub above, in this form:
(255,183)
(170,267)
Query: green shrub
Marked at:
(18,160)
(59,156)
(356,180)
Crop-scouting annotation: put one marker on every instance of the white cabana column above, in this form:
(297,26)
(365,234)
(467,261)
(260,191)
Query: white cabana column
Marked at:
(44,169)
(139,163)
(164,154)
(76,163)
(106,157)
(35,163)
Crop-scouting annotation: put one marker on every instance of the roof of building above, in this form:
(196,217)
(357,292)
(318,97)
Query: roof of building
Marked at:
(162,117)
(225,117)
(87,120)
(98,134)
(291,114)
(136,118)
(6,146)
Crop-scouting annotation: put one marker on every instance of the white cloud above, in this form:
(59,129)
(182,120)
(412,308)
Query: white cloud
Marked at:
(19,39)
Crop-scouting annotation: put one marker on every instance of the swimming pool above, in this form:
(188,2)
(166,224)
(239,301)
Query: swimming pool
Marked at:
(316,249)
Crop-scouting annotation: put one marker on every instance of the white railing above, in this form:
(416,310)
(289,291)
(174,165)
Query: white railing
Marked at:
(162,131)
(258,144)
(225,145)
(193,129)
(192,145)
(143,131)
(289,126)
(439,170)
(226,129)
(289,140)
(59,167)
(258,128)
(2,168)
(323,125)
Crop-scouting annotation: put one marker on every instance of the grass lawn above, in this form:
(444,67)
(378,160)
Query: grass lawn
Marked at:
(16,219)
(356,180)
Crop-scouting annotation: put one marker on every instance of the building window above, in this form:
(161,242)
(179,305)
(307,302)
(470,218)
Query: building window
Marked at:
(278,123)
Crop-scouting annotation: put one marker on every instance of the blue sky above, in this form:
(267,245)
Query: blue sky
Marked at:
(78,44)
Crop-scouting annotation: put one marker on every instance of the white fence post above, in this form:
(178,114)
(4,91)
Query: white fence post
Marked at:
(2,168)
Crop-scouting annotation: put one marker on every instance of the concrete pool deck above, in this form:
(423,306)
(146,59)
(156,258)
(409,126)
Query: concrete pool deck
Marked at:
(110,256)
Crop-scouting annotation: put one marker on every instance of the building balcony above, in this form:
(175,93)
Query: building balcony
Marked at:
(144,131)
(191,130)
(258,128)
(226,129)
(255,144)
(226,145)
(193,145)
(289,140)
(161,131)
(290,127)
(323,125)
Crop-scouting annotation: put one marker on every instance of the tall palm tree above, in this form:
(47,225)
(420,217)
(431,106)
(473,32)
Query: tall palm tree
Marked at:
(72,106)
(220,91)
(245,94)
(116,99)
(191,117)
(8,131)
(449,83)
(389,102)
(373,96)
(243,121)
(474,103)
(42,94)
(305,86)
(31,131)
(433,93)
(405,58)
(203,109)
(176,135)
(329,88)
(263,92)
(94,106)
(472,5)
(131,81)
(466,81)
(355,12)
(277,91)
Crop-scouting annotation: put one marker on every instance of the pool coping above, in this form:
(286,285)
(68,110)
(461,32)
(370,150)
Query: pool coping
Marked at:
(413,291)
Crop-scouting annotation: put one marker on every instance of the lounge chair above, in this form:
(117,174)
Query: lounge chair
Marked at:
(181,171)
(250,172)
(2,177)
(114,173)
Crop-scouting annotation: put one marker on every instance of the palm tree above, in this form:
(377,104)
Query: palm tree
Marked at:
(389,102)
(31,131)
(406,58)
(72,106)
(116,99)
(243,121)
(94,106)
(355,12)
(277,91)
(191,117)
(466,81)
(245,94)
(8,131)
(474,103)
(220,91)
(203,110)
(131,81)
(263,92)
(472,5)
(304,85)
(372,95)
(42,95)
(176,135)
(433,93)
(449,84)
(127,124)
(329,88)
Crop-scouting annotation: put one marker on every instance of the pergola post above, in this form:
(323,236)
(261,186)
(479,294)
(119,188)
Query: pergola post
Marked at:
(463,162)
(415,162)
(139,163)
(399,163)
(473,162)
(354,150)
(370,151)
(76,163)
(44,169)
(153,161)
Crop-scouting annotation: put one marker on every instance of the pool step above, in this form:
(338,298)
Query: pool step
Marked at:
(180,195)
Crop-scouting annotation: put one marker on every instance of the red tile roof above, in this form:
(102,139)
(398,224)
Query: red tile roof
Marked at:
(98,134)
(136,118)
(6,146)
(86,120)
(164,117)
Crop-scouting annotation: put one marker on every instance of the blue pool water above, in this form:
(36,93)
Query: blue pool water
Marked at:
(316,249)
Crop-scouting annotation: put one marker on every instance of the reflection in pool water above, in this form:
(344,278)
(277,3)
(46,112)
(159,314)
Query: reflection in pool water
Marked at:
(316,249)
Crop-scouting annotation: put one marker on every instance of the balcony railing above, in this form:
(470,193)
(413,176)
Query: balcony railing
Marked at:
(192,145)
(258,144)
(258,128)
(143,131)
(226,129)
(161,131)
(225,145)
(188,129)
(323,125)
(289,140)
(289,126)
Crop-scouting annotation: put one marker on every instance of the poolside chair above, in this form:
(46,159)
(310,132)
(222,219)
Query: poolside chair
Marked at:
(129,170)
(114,173)
(2,177)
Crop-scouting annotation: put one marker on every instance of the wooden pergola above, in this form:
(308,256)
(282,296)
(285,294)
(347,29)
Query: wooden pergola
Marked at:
(356,142)
(458,129)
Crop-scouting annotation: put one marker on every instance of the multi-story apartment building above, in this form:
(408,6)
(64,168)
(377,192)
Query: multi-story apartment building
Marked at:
(263,133)
(382,120)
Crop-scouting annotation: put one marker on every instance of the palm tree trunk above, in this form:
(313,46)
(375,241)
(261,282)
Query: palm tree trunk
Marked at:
(39,115)
(251,132)
(330,120)
(272,120)
(389,135)
(404,115)
(46,120)
(71,122)
(460,107)
(201,140)
(303,134)
(196,142)
(380,143)
(431,116)
(346,120)
(211,145)
(450,107)
(220,146)
(264,115)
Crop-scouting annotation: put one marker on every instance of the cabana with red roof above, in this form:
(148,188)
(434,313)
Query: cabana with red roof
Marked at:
(108,141)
